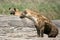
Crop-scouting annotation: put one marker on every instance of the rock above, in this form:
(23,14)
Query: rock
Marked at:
(15,28)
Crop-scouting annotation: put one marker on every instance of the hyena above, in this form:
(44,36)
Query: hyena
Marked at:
(14,11)
(42,24)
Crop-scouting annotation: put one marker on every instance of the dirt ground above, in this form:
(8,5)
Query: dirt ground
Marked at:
(14,28)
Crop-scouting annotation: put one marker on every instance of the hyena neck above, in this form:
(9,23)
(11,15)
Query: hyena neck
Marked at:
(33,18)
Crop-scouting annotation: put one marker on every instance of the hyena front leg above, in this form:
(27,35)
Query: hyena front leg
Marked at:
(38,31)
(41,32)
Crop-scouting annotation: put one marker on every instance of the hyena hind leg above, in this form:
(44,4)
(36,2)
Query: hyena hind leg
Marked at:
(52,35)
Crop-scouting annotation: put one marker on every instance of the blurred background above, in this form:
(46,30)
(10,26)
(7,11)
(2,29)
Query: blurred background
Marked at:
(49,8)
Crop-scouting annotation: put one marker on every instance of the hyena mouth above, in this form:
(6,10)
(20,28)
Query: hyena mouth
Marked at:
(21,16)
(11,13)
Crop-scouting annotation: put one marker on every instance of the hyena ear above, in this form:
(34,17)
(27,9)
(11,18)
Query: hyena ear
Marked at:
(15,9)
(9,8)
(25,12)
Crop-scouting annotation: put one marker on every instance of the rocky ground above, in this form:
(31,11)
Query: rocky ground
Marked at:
(14,28)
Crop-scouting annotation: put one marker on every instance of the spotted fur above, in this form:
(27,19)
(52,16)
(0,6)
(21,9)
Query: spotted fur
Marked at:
(42,24)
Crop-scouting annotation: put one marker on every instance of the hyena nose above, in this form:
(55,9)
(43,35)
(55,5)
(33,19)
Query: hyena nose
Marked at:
(12,13)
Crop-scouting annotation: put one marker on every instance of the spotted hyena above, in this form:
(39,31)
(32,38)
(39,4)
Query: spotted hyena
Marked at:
(43,25)
(14,11)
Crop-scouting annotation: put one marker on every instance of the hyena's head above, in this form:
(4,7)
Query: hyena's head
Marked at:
(12,11)
(26,13)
